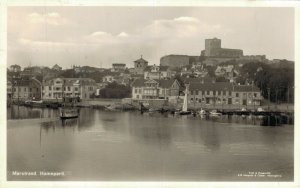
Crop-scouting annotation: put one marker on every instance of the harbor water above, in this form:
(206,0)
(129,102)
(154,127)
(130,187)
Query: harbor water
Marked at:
(129,146)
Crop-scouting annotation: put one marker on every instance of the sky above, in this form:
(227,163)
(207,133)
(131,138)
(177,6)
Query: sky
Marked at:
(100,36)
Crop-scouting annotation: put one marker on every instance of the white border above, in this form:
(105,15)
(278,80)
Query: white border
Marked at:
(3,59)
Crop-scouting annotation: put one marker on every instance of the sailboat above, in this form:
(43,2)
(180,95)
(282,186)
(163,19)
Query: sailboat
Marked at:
(184,110)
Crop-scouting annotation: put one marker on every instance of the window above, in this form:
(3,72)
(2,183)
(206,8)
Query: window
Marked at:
(224,92)
(76,88)
(214,92)
(219,92)
(236,94)
(49,88)
(197,92)
(229,93)
(69,88)
(25,89)
(207,92)
(255,94)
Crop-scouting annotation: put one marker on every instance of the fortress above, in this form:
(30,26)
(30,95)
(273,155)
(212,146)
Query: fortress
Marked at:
(213,49)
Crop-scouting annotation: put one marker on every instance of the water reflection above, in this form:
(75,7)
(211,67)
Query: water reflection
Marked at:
(103,145)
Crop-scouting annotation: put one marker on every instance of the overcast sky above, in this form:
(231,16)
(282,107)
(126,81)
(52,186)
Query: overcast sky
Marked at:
(100,36)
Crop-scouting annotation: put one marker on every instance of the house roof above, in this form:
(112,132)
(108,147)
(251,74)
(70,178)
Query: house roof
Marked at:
(246,88)
(222,86)
(161,68)
(71,81)
(218,86)
(119,64)
(199,80)
(165,83)
(141,60)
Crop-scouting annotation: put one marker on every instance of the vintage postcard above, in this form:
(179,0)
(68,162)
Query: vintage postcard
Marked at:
(127,94)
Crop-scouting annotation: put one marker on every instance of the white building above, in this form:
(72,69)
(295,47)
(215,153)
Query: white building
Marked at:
(57,88)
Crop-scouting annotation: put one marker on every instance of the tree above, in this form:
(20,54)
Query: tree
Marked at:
(115,90)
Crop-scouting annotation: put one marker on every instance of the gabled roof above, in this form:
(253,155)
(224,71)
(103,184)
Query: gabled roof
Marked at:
(164,83)
(138,82)
(167,83)
(199,80)
(71,81)
(222,86)
(246,88)
(218,86)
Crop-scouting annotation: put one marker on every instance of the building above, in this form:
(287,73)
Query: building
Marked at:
(118,67)
(15,68)
(108,79)
(227,72)
(157,72)
(155,89)
(224,93)
(57,88)
(213,49)
(56,68)
(9,89)
(140,65)
(24,89)
(177,61)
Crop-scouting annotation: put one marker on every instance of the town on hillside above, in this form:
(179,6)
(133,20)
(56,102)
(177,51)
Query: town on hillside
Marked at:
(217,77)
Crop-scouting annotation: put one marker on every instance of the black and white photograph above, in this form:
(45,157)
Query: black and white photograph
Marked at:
(150,94)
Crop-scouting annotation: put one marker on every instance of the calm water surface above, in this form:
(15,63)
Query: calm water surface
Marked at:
(129,146)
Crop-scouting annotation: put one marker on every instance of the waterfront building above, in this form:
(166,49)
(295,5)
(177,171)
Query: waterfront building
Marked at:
(140,65)
(155,89)
(224,93)
(57,88)
(24,89)
(157,72)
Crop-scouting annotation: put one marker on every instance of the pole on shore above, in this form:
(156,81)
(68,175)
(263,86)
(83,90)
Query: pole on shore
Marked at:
(269,99)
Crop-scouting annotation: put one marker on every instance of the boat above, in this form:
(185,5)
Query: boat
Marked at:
(68,112)
(184,110)
(202,112)
(215,113)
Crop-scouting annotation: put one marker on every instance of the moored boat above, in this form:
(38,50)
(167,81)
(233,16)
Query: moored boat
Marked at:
(185,110)
(68,113)
(215,113)
(202,112)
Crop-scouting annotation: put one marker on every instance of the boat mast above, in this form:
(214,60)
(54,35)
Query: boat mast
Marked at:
(184,107)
